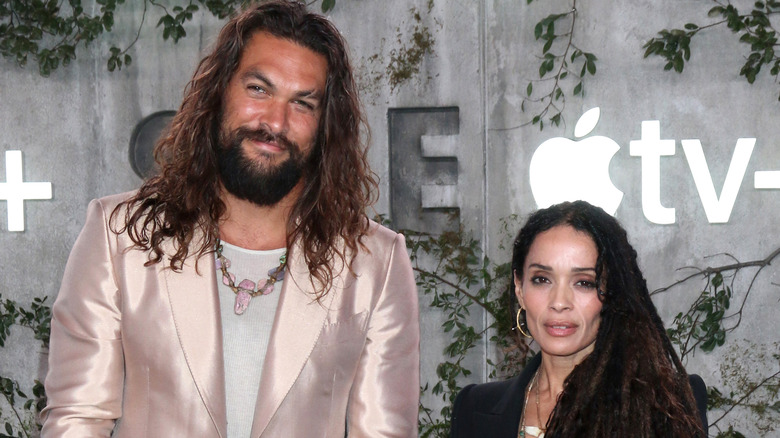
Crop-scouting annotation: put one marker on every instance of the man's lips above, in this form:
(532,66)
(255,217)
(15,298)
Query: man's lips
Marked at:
(264,140)
(267,146)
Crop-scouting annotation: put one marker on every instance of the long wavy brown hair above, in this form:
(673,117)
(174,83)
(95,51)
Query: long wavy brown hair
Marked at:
(329,219)
(632,384)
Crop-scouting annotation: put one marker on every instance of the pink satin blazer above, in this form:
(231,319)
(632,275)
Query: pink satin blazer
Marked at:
(137,350)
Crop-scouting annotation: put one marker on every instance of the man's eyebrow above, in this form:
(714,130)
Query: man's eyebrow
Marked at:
(311,94)
(254,74)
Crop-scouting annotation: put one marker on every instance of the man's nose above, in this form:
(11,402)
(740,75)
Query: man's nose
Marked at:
(276,116)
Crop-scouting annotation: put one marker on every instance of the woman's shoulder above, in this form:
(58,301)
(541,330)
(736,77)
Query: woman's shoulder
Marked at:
(700,395)
(493,408)
(697,383)
(484,395)
(487,409)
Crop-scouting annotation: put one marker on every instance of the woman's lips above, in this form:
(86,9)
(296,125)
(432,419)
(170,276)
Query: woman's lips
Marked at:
(560,328)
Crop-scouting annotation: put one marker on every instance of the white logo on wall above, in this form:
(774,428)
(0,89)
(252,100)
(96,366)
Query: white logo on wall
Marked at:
(565,170)
(15,191)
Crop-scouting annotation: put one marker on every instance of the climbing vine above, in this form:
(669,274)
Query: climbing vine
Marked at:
(22,420)
(706,325)
(562,63)
(51,31)
(710,319)
(755,29)
(452,273)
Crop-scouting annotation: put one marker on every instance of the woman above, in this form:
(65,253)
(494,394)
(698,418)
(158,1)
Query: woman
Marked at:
(606,366)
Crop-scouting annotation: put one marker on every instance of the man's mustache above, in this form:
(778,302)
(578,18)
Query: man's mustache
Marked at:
(265,136)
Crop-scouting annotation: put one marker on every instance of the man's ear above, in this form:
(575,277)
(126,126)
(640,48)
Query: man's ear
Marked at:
(518,288)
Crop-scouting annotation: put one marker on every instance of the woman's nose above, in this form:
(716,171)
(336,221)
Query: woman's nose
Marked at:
(560,298)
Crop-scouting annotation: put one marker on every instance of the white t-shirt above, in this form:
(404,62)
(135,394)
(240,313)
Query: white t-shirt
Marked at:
(245,337)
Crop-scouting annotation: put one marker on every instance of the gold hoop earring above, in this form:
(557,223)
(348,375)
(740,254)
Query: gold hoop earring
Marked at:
(519,327)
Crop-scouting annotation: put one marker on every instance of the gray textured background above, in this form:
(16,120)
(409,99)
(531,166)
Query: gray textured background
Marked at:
(74,130)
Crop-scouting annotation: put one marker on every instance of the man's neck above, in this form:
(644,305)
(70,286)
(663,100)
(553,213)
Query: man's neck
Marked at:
(250,226)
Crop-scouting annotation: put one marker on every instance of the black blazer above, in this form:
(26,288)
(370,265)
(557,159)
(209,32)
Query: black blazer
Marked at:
(493,409)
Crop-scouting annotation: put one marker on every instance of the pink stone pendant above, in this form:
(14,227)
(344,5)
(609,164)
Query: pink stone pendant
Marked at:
(242,302)
(229,279)
(247,284)
(265,287)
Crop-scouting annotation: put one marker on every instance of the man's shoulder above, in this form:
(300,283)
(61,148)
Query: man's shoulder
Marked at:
(112,209)
(378,236)
(110,202)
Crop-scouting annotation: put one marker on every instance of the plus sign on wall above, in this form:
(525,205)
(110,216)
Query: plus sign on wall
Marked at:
(15,191)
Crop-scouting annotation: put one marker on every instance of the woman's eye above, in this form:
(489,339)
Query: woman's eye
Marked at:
(587,284)
(537,279)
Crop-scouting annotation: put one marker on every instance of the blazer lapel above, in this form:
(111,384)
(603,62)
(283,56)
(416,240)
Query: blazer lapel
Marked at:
(509,408)
(297,325)
(196,315)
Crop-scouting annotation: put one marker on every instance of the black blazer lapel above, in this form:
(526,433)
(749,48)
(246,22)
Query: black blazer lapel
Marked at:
(492,410)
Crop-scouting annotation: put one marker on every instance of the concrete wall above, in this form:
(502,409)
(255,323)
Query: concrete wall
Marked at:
(74,128)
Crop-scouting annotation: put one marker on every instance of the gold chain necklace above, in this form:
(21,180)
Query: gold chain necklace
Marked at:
(538,409)
(521,427)
(247,289)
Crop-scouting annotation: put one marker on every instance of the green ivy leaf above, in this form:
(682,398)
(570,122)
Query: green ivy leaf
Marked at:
(547,45)
(678,63)
(591,67)
(328,5)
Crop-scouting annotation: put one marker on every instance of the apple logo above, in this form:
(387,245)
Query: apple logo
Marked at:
(566,170)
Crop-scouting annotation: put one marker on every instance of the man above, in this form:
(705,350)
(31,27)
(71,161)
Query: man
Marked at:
(171,321)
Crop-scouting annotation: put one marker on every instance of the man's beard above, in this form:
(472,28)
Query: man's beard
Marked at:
(261,184)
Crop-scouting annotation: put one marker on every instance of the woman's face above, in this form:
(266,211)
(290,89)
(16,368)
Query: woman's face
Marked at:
(558,291)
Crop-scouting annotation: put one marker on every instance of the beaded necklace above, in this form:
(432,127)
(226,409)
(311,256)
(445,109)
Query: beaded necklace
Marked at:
(247,289)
